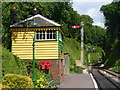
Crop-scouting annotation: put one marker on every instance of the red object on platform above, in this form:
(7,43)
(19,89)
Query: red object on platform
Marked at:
(45,64)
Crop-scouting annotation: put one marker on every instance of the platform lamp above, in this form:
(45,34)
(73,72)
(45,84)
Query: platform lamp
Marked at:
(33,60)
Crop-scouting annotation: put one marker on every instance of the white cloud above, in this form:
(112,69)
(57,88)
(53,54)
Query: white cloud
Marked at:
(92,1)
(101,24)
(92,12)
(91,8)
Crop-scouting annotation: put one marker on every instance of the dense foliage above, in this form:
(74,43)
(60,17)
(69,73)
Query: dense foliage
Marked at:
(112,40)
(66,16)
(95,36)
(12,64)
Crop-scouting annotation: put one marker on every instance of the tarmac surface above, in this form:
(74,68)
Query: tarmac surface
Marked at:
(77,81)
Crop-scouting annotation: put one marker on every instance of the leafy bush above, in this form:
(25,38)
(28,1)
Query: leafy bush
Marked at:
(12,64)
(95,53)
(42,81)
(17,81)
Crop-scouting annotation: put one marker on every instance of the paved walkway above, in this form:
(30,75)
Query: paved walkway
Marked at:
(77,81)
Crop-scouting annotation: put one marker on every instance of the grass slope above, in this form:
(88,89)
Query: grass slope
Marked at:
(12,64)
(72,46)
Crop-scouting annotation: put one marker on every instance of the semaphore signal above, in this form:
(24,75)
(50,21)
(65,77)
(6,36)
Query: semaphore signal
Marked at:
(76,26)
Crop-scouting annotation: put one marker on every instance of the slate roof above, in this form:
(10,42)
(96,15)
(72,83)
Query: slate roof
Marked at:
(39,19)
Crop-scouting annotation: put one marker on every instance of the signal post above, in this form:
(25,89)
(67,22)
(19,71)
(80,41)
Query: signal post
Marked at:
(81,63)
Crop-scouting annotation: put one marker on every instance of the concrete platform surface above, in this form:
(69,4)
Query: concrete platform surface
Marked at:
(77,81)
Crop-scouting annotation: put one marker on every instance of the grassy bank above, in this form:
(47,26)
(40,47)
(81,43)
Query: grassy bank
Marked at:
(72,46)
(12,64)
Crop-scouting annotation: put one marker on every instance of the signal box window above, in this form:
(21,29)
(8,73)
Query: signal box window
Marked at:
(45,35)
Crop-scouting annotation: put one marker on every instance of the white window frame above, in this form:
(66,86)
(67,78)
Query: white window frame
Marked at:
(60,37)
(46,33)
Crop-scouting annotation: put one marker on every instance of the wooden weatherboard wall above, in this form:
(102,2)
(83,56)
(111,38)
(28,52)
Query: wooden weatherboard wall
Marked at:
(22,46)
(46,50)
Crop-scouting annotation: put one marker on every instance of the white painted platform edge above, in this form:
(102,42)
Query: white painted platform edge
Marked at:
(94,82)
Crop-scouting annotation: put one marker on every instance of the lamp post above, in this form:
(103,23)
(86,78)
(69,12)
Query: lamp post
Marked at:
(33,60)
(89,50)
(33,64)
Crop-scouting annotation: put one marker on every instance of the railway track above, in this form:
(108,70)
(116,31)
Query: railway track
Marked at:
(104,81)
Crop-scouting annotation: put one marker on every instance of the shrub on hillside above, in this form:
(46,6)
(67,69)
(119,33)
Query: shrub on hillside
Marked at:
(12,64)
(17,81)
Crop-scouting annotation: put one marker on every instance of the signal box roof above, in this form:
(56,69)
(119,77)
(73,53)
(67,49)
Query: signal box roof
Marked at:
(36,21)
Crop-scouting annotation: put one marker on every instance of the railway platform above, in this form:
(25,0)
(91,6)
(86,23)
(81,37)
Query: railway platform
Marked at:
(93,81)
(77,81)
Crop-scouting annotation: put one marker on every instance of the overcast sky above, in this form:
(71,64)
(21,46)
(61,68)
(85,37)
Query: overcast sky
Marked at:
(91,8)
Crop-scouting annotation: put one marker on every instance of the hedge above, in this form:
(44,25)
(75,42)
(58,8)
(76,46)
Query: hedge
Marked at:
(4,87)
(17,81)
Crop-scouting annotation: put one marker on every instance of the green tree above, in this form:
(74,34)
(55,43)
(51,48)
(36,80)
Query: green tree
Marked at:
(112,41)
(95,36)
